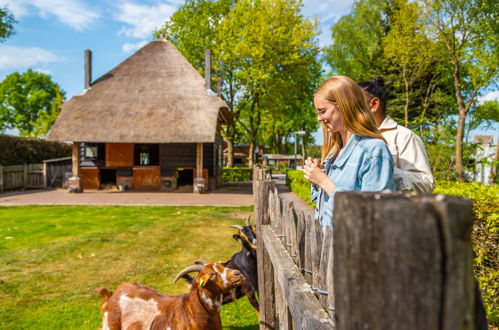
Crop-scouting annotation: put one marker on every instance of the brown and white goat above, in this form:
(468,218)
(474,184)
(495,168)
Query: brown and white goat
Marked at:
(134,306)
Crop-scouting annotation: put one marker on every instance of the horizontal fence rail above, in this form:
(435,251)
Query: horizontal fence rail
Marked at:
(393,261)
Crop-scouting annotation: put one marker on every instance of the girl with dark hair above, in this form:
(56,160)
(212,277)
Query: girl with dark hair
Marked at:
(412,169)
(355,155)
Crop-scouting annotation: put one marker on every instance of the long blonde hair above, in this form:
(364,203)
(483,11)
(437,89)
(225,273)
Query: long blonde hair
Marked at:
(357,118)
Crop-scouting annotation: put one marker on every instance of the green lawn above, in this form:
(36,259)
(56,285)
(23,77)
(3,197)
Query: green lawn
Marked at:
(52,258)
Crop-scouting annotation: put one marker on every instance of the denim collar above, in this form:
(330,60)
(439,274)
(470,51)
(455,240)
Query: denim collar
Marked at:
(349,148)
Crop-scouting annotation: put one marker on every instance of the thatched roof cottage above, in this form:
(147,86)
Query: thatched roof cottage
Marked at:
(149,123)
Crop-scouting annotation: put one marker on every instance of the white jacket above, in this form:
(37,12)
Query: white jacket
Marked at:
(412,169)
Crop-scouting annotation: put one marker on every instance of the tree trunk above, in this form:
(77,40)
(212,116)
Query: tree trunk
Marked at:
(251,157)
(230,153)
(459,146)
(493,171)
(406,106)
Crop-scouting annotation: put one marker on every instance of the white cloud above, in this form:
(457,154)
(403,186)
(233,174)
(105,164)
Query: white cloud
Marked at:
(45,71)
(24,57)
(489,97)
(143,20)
(131,47)
(73,13)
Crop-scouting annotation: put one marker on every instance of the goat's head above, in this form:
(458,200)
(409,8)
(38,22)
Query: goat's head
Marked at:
(213,277)
(247,235)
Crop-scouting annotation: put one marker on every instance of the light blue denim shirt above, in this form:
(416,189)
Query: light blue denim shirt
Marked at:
(365,164)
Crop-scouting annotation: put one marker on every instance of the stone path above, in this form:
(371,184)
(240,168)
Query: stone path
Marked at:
(230,195)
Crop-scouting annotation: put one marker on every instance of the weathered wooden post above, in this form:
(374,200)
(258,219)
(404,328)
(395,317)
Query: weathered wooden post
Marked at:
(403,262)
(25,176)
(1,178)
(261,191)
(44,175)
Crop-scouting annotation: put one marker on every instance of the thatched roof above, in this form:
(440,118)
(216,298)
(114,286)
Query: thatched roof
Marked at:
(154,96)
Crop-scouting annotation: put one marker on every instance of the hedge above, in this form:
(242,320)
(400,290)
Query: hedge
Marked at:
(299,185)
(237,174)
(18,150)
(485,235)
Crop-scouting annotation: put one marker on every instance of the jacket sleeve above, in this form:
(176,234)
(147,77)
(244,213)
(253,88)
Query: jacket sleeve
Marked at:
(414,172)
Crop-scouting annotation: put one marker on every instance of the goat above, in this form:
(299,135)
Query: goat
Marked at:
(135,306)
(245,262)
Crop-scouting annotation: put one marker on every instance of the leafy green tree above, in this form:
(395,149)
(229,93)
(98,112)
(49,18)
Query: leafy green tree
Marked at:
(469,30)
(357,49)
(271,48)
(409,50)
(7,22)
(29,102)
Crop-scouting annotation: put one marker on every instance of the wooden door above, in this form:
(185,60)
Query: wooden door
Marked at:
(119,154)
(90,178)
(146,177)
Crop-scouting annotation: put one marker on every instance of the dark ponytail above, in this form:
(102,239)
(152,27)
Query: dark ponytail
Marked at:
(376,88)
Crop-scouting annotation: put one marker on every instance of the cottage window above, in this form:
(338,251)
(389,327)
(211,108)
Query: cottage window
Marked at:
(146,154)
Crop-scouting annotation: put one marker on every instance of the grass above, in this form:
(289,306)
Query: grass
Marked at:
(52,258)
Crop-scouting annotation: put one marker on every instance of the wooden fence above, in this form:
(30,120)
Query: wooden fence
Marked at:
(392,261)
(25,176)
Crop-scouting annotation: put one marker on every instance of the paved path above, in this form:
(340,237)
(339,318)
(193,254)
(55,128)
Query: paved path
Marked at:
(240,195)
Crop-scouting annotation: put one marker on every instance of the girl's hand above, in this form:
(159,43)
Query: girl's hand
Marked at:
(314,174)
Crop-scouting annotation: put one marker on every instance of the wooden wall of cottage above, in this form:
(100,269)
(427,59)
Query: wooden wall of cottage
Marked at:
(175,164)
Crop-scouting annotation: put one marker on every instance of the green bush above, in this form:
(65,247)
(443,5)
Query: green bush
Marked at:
(236,174)
(485,237)
(18,150)
(299,185)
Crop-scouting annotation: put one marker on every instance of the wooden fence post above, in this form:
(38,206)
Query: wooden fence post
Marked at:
(403,262)
(25,177)
(1,178)
(44,175)
(261,192)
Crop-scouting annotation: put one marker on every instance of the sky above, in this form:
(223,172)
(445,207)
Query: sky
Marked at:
(52,35)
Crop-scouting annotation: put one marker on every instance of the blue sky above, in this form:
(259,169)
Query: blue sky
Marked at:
(51,35)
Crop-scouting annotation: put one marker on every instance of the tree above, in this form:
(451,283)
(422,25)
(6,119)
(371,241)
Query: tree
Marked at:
(357,49)
(407,47)
(7,22)
(270,47)
(29,102)
(469,30)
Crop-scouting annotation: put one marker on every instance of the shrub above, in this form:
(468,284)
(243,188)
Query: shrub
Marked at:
(236,174)
(18,150)
(299,185)
(485,237)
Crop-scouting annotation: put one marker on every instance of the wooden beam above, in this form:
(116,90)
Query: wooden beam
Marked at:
(304,307)
(76,159)
(199,160)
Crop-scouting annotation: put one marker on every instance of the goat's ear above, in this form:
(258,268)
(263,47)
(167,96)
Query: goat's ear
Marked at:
(203,279)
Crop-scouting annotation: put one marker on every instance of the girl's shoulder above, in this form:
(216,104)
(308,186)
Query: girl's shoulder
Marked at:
(374,146)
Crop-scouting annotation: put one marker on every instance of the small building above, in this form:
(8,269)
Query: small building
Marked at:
(242,153)
(152,122)
(484,157)
(280,160)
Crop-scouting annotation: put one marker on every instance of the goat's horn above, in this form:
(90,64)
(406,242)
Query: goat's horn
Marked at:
(190,269)
(236,226)
(248,220)
(200,262)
